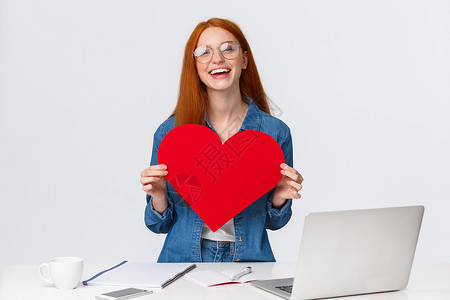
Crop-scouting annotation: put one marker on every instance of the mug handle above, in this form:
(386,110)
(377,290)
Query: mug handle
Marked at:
(45,278)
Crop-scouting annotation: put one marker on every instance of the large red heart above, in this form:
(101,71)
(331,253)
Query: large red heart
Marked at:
(219,181)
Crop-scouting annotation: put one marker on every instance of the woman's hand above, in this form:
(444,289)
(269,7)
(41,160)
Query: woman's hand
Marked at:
(154,184)
(288,187)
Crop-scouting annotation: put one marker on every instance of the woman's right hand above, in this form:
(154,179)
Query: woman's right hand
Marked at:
(154,184)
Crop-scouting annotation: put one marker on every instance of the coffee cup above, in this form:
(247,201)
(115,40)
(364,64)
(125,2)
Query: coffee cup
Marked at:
(64,272)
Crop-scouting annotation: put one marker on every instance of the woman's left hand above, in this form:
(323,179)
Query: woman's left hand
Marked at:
(288,187)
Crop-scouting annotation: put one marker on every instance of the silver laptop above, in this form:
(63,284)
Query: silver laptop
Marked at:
(352,252)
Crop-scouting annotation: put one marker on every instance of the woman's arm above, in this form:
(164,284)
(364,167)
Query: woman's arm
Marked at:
(279,204)
(159,211)
(291,182)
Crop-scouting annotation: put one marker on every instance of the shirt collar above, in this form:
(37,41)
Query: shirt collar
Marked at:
(252,119)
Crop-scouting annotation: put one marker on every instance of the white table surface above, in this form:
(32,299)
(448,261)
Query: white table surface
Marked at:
(428,281)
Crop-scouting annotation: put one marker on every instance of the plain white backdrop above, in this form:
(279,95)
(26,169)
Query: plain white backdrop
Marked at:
(363,85)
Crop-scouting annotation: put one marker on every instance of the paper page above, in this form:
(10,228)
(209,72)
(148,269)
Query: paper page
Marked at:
(208,278)
(253,276)
(212,278)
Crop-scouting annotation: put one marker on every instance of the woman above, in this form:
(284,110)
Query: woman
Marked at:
(221,89)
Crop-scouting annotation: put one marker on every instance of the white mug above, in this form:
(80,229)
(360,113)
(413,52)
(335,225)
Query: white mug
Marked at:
(65,272)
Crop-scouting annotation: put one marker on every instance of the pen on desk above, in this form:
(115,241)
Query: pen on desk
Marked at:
(244,271)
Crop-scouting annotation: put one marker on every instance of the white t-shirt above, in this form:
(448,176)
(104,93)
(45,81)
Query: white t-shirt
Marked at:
(224,233)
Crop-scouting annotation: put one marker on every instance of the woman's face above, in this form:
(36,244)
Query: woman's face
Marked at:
(219,73)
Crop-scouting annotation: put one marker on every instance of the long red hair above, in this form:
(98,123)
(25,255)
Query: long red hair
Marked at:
(192,96)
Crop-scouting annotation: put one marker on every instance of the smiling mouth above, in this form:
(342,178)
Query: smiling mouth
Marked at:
(220,71)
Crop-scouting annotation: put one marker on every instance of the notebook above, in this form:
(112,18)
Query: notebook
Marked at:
(352,252)
(211,278)
(141,275)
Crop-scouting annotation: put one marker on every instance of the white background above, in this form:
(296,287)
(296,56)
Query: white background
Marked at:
(363,85)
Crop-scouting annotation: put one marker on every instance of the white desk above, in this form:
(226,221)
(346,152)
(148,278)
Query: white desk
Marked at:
(428,281)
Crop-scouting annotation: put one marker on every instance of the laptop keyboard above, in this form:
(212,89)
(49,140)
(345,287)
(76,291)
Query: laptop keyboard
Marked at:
(285,288)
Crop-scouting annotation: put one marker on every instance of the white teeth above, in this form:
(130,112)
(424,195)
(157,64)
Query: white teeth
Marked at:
(219,71)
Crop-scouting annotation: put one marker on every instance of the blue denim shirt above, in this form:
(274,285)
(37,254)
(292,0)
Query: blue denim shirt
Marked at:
(184,227)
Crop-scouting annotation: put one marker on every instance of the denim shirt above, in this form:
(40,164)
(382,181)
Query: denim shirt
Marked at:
(184,227)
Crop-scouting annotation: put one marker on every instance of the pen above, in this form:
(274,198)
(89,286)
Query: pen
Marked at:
(244,271)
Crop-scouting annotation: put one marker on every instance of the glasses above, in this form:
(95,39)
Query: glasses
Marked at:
(228,50)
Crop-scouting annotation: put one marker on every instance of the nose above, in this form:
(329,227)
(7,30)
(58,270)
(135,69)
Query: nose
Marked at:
(217,57)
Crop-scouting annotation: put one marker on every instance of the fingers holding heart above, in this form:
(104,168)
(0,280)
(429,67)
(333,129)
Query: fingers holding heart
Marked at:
(291,173)
(292,179)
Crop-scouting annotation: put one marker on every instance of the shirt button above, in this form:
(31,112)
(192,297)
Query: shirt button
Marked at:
(240,239)
(238,259)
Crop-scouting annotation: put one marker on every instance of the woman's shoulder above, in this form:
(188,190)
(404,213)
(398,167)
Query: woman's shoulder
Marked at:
(267,122)
(274,126)
(273,121)
(165,127)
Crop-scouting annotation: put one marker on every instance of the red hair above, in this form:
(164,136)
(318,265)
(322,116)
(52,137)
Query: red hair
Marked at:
(192,96)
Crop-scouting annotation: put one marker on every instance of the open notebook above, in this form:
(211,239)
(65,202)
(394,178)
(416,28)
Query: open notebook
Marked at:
(213,278)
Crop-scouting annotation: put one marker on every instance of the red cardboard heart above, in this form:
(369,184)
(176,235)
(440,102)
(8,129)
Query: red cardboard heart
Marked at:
(219,181)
